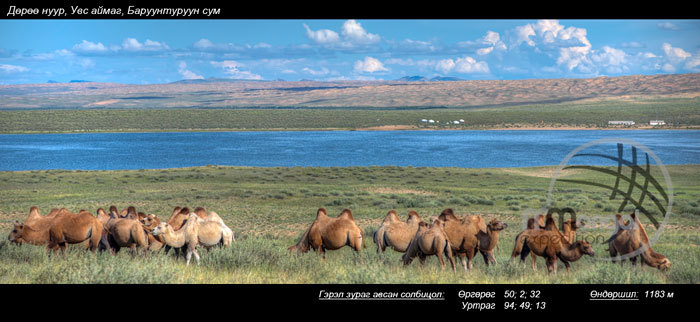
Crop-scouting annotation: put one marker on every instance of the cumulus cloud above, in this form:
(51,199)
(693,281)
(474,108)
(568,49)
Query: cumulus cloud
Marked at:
(131,44)
(323,36)
(89,47)
(232,68)
(321,72)
(353,31)
(463,65)
(186,73)
(667,25)
(12,68)
(674,55)
(369,65)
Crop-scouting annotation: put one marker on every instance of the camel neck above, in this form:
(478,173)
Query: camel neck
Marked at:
(174,238)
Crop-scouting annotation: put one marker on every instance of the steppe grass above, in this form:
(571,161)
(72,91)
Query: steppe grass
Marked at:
(269,208)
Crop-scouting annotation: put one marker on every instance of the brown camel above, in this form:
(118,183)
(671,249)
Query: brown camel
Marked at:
(331,233)
(70,228)
(150,222)
(489,240)
(395,233)
(551,244)
(35,229)
(430,240)
(569,228)
(462,235)
(126,232)
(196,232)
(629,240)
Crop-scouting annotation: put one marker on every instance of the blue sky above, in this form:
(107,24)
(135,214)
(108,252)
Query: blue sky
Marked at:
(161,51)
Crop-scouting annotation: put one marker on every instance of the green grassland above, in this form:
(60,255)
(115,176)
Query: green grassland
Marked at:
(269,208)
(677,112)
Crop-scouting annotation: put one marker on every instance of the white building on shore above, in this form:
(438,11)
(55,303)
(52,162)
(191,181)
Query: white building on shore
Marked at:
(621,123)
(657,122)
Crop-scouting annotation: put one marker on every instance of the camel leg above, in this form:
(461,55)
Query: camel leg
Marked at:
(486,258)
(452,260)
(442,260)
(462,256)
(470,258)
(188,256)
(196,256)
(534,262)
(551,265)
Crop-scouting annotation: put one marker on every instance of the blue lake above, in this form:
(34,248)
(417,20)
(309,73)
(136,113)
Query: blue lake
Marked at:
(469,149)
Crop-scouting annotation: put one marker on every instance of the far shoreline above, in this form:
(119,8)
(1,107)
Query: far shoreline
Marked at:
(368,129)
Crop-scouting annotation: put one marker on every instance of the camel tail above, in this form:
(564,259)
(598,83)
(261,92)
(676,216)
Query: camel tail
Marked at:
(519,242)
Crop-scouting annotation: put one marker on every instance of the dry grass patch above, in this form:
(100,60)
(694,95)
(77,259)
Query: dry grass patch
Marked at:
(386,190)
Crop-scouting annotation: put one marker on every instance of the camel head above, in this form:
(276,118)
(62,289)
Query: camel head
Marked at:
(161,228)
(664,264)
(16,233)
(150,221)
(496,225)
(585,247)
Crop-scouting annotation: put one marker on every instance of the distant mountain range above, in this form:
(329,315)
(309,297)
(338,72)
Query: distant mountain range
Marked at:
(425,79)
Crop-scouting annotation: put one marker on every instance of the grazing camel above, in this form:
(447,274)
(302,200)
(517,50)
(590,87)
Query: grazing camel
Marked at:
(395,233)
(125,232)
(629,240)
(69,228)
(462,235)
(430,240)
(551,244)
(196,232)
(489,240)
(331,233)
(35,229)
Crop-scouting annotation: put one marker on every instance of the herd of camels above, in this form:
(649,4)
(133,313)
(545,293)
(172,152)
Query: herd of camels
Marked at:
(445,236)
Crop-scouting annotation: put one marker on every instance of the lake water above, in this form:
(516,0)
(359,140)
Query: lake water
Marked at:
(469,149)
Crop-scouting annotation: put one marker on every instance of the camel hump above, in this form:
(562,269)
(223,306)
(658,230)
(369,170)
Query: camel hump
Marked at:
(540,220)
(321,212)
(448,214)
(531,223)
(413,216)
(346,213)
(101,211)
(391,216)
(185,211)
(34,210)
(201,212)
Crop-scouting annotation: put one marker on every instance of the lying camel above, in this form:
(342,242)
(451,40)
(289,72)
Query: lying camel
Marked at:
(35,229)
(331,233)
(630,240)
(196,232)
(430,240)
(462,235)
(489,240)
(551,244)
(395,233)
(70,228)
(125,232)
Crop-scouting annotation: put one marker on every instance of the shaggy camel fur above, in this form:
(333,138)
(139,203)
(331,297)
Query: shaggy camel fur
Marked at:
(430,240)
(177,220)
(331,233)
(489,240)
(125,232)
(35,229)
(69,228)
(395,233)
(551,244)
(196,232)
(462,235)
(629,240)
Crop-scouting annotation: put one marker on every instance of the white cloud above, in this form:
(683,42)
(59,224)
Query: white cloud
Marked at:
(353,31)
(232,68)
(90,47)
(400,61)
(667,26)
(369,65)
(321,72)
(323,36)
(445,66)
(464,65)
(131,44)
(610,56)
(674,55)
(12,68)
(186,73)
(203,44)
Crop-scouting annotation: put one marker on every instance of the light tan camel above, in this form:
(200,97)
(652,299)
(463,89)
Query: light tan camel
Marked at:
(150,222)
(462,235)
(430,240)
(635,239)
(196,232)
(331,233)
(395,233)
